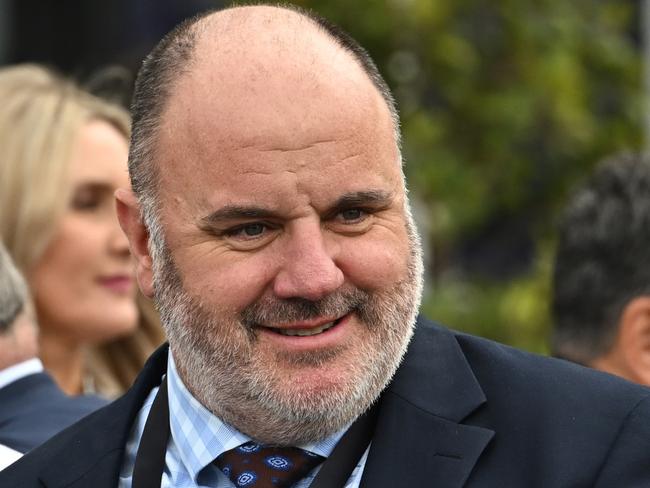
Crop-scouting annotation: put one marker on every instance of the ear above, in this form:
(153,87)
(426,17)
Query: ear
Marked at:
(128,213)
(634,339)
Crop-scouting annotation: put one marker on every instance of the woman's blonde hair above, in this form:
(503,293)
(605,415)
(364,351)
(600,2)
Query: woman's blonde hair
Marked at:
(112,367)
(41,114)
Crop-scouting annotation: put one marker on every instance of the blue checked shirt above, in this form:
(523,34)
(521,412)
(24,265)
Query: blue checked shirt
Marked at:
(198,438)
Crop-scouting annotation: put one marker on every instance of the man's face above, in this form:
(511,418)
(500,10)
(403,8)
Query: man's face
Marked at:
(290,274)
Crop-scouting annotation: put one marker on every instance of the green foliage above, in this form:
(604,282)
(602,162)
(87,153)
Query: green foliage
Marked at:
(505,104)
(514,312)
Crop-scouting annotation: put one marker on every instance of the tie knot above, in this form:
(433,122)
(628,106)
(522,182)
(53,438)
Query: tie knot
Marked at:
(253,465)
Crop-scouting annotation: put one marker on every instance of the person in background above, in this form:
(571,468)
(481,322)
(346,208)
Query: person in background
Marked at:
(601,280)
(64,153)
(32,407)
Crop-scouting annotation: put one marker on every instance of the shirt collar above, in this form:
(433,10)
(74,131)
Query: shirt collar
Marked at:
(201,436)
(20,370)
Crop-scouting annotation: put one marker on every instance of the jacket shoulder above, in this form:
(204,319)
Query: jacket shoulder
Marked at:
(33,409)
(91,449)
(556,422)
(500,367)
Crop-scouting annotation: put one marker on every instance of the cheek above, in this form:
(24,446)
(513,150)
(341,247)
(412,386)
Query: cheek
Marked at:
(53,294)
(228,283)
(374,263)
(61,292)
(65,268)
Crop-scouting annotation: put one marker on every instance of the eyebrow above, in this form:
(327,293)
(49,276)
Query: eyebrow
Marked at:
(377,199)
(237,212)
(93,187)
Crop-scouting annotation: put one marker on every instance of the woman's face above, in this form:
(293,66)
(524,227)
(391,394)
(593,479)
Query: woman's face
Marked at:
(84,285)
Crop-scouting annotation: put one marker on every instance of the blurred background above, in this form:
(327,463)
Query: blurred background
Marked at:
(506,105)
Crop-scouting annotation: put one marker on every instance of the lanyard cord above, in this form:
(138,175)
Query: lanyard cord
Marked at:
(150,459)
(334,472)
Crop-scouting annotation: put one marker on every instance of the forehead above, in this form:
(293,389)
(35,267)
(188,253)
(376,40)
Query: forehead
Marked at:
(314,115)
(316,164)
(99,152)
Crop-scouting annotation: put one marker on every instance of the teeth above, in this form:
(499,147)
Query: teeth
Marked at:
(306,332)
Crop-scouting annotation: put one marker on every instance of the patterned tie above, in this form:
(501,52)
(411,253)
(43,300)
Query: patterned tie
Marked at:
(253,465)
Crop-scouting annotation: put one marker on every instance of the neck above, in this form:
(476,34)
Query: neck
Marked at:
(11,353)
(63,358)
(19,343)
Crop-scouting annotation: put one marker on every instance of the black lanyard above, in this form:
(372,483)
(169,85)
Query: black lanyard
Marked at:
(335,471)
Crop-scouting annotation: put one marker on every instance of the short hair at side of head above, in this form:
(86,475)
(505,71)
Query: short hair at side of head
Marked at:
(172,57)
(13,292)
(41,115)
(603,258)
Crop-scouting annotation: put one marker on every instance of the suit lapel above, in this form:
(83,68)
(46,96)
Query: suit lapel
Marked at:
(94,447)
(419,438)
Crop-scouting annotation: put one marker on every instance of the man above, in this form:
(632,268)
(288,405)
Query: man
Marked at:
(601,292)
(32,408)
(269,220)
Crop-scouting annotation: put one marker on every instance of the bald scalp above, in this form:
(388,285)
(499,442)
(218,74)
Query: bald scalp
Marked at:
(254,47)
(235,43)
(288,84)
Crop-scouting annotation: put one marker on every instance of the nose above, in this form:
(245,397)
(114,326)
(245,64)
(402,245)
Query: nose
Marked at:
(309,271)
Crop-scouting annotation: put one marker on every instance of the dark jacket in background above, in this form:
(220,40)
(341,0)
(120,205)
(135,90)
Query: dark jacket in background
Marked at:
(33,409)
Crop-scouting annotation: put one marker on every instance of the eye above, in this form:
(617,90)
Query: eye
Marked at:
(253,230)
(248,231)
(250,236)
(86,199)
(351,221)
(352,215)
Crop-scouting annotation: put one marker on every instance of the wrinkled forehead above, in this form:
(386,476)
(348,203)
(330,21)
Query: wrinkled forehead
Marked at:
(278,89)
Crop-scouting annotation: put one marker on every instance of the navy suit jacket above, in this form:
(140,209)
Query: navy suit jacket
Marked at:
(461,411)
(33,409)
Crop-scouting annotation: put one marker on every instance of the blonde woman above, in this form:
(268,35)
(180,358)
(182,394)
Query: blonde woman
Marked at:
(64,152)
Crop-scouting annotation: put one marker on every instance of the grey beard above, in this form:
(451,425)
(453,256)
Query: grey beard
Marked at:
(216,360)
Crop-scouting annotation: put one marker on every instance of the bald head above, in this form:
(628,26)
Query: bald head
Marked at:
(262,52)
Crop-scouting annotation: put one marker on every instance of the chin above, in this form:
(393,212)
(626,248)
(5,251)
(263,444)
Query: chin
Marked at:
(314,386)
(122,323)
(331,375)
(314,409)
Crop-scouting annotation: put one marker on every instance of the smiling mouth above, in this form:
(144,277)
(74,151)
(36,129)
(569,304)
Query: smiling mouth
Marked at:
(305,332)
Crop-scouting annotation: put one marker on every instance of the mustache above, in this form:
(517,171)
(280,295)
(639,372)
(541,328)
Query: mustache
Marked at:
(271,310)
